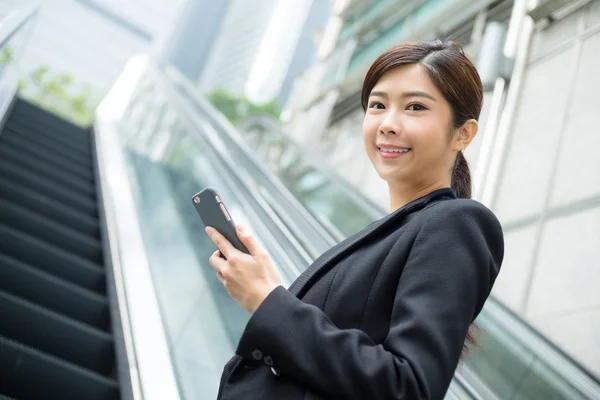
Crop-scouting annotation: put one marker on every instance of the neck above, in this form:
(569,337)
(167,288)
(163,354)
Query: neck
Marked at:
(402,194)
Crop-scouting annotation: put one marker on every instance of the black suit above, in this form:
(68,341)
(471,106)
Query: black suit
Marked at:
(382,315)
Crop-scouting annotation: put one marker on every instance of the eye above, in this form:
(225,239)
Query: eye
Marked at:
(377,105)
(416,107)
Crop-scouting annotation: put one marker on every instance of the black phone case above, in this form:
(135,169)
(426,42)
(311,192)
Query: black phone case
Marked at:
(212,211)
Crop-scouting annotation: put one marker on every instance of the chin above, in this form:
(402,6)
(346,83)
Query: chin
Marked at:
(388,176)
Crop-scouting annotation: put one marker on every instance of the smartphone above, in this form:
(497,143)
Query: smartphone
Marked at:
(213,213)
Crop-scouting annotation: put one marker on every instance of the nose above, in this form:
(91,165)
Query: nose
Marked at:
(389,125)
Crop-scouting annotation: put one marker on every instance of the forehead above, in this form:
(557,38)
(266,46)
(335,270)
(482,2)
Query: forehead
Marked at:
(406,78)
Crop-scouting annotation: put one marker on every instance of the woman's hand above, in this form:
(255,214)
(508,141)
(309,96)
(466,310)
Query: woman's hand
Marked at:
(248,278)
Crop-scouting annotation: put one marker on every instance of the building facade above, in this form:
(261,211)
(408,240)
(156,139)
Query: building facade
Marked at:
(190,42)
(533,161)
(237,45)
(259,56)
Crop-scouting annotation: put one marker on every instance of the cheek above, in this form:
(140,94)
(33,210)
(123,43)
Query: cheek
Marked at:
(429,136)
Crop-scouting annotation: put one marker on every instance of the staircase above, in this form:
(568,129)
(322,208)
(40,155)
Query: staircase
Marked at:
(56,338)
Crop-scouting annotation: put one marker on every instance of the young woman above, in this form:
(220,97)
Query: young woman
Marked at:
(385,313)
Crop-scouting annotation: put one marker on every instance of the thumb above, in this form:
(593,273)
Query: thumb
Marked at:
(248,240)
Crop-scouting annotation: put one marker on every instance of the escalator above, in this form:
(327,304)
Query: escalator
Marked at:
(57,337)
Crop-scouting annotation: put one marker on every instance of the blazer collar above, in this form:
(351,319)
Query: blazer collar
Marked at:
(299,286)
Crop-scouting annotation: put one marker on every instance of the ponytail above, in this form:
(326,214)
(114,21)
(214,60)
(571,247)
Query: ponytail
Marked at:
(461,185)
(461,177)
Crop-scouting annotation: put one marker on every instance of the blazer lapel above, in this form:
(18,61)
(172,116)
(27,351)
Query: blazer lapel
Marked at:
(304,281)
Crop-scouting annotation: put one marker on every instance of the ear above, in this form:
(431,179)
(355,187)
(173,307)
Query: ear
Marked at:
(464,135)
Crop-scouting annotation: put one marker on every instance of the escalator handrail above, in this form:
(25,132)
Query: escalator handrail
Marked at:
(149,363)
(233,137)
(11,24)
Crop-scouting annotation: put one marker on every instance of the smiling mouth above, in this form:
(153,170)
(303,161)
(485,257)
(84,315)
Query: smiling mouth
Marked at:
(393,150)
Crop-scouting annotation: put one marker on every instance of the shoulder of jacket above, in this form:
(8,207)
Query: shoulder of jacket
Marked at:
(457,208)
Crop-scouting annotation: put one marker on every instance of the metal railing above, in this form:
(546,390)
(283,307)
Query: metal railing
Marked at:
(14,35)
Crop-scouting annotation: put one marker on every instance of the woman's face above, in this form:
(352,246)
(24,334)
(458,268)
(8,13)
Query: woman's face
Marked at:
(407,129)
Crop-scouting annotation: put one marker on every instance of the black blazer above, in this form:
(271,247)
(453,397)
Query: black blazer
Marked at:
(382,315)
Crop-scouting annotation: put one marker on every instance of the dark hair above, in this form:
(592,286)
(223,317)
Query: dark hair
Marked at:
(457,79)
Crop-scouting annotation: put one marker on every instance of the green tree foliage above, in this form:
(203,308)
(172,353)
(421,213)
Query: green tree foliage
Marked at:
(237,107)
(57,93)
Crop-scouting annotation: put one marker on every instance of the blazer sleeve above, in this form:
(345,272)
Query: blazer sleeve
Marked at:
(449,274)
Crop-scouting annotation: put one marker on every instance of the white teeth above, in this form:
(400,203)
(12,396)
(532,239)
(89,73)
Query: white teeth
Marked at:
(393,150)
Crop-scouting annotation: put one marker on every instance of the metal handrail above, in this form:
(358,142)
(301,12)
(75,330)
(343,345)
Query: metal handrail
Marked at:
(149,366)
(10,25)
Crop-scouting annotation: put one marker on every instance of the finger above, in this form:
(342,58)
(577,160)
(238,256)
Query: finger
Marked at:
(220,241)
(249,241)
(217,262)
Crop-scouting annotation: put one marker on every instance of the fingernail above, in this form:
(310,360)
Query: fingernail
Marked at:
(240,229)
(207,229)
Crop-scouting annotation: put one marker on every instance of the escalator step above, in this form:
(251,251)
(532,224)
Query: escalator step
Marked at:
(56,338)
(17,174)
(47,170)
(30,112)
(29,374)
(50,208)
(58,149)
(52,259)
(51,138)
(77,136)
(40,154)
(50,231)
(32,284)
(55,334)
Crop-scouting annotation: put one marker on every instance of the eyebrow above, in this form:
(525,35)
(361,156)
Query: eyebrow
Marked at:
(415,93)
